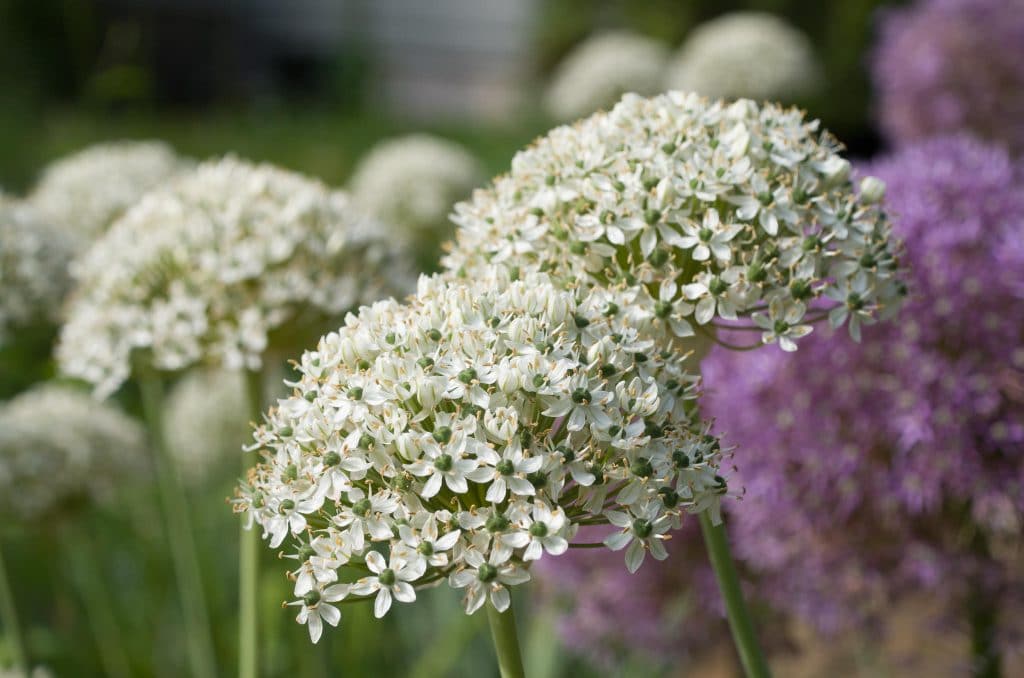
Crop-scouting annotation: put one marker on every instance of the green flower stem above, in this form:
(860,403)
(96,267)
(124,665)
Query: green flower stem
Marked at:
(506,642)
(248,556)
(754,664)
(9,618)
(87,575)
(179,530)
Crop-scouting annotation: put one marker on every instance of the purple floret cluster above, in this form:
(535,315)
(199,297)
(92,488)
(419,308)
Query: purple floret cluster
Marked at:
(945,66)
(896,464)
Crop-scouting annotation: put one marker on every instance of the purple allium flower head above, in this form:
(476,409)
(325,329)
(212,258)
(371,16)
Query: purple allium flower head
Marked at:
(894,465)
(945,66)
(668,611)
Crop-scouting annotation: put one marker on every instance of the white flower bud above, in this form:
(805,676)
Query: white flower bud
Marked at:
(872,190)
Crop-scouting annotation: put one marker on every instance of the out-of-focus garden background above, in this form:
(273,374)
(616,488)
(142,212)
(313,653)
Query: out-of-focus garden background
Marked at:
(313,86)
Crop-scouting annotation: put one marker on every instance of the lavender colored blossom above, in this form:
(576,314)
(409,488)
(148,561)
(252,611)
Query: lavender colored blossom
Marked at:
(945,66)
(896,465)
(667,612)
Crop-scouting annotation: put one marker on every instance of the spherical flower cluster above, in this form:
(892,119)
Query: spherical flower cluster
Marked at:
(33,268)
(601,69)
(467,434)
(946,66)
(58,448)
(746,54)
(413,181)
(208,267)
(896,466)
(693,210)
(207,417)
(84,193)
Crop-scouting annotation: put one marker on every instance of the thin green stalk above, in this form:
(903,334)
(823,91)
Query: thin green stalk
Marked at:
(248,557)
(983,615)
(88,578)
(506,642)
(9,617)
(179,530)
(754,664)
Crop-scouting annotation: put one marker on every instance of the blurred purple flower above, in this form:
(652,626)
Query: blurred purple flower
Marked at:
(895,465)
(946,66)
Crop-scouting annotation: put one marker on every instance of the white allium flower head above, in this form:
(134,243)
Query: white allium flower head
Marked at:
(34,259)
(208,267)
(755,55)
(697,214)
(468,433)
(85,192)
(59,447)
(413,181)
(208,418)
(601,69)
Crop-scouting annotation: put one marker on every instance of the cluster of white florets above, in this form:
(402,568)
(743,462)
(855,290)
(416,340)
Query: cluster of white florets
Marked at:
(698,214)
(463,435)
(601,69)
(84,193)
(59,448)
(746,54)
(205,268)
(413,181)
(207,414)
(33,268)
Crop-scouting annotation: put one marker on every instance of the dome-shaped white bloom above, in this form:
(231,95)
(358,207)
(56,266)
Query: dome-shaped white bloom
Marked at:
(468,433)
(206,268)
(208,419)
(692,210)
(58,446)
(746,54)
(413,181)
(85,192)
(33,268)
(601,69)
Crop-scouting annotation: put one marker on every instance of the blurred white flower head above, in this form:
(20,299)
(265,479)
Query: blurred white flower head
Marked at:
(207,417)
(754,55)
(206,268)
(697,214)
(601,69)
(60,447)
(413,181)
(85,192)
(466,434)
(34,259)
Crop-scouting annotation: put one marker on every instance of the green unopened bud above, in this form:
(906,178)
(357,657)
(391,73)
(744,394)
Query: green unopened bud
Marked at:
(434,334)
(287,505)
(442,434)
(311,598)
(581,321)
(497,523)
(332,459)
(365,441)
(387,577)
(669,497)
(663,309)
(581,395)
(356,393)
(642,528)
(310,396)
(467,375)
(505,467)
(539,529)
(425,548)
(426,362)
(362,507)
(285,431)
(487,573)
(291,472)
(444,463)
(363,364)
(658,257)
(641,468)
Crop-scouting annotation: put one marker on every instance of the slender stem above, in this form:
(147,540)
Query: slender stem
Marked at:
(754,664)
(983,614)
(248,557)
(179,529)
(506,642)
(9,617)
(88,577)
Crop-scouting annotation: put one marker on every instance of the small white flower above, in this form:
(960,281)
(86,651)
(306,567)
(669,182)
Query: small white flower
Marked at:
(642,532)
(317,609)
(390,580)
(483,579)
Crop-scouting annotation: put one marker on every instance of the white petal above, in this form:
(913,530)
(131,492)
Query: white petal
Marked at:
(330,614)
(375,562)
(404,592)
(635,556)
(500,598)
(382,604)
